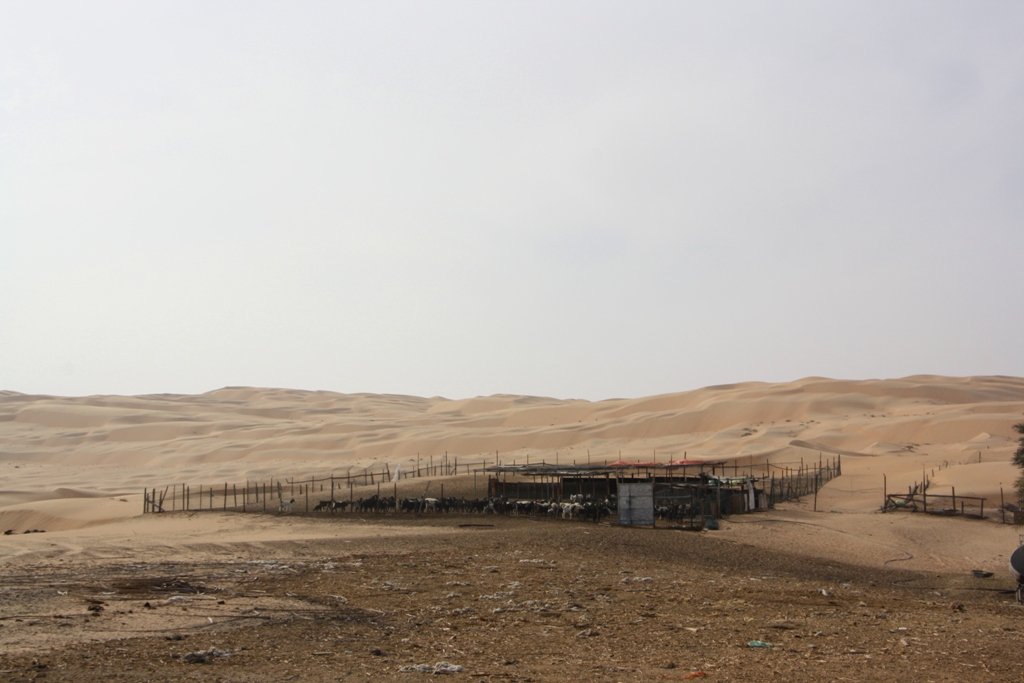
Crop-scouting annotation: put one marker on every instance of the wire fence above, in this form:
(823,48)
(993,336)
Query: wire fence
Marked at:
(768,484)
(272,494)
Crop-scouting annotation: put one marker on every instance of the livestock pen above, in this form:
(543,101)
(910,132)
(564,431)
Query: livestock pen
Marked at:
(686,492)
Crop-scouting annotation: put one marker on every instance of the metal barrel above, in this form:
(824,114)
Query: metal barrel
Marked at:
(1017,564)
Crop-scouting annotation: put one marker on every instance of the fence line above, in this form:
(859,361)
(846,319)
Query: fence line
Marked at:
(802,481)
(792,482)
(256,495)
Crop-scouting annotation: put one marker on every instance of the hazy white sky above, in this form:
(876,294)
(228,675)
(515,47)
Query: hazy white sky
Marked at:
(460,198)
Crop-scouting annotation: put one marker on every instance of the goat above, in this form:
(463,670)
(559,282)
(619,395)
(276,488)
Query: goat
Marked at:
(285,505)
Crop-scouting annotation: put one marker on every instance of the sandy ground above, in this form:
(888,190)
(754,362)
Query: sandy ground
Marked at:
(505,599)
(73,468)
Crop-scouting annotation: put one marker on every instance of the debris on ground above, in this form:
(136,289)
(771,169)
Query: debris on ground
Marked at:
(439,668)
(204,656)
(759,643)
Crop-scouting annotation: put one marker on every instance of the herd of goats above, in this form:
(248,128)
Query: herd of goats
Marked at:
(580,507)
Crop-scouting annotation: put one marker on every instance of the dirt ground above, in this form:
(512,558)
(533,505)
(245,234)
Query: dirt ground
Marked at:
(505,599)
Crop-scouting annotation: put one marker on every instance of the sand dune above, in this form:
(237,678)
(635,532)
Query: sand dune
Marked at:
(945,417)
(58,450)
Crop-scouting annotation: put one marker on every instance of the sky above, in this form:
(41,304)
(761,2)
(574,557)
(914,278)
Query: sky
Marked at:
(572,199)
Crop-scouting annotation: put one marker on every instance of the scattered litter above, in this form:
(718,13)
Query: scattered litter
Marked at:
(587,633)
(695,674)
(439,668)
(981,574)
(759,643)
(823,592)
(204,656)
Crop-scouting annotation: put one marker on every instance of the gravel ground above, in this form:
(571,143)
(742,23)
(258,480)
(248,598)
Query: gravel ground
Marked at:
(505,599)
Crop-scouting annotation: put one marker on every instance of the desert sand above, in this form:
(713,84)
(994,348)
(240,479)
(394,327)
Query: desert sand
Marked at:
(75,468)
(71,463)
